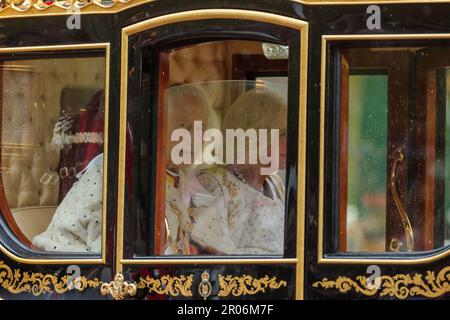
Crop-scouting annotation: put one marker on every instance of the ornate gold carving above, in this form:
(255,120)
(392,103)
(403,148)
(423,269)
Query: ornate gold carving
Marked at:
(205,288)
(40,6)
(247,285)
(16,281)
(400,286)
(173,286)
(119,289)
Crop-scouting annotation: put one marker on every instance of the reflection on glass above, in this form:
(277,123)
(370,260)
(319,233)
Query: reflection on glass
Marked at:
(223,192)
(367,148)
(222,145)
(52,151)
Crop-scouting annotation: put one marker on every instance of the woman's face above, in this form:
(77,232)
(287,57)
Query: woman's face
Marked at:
(281,146)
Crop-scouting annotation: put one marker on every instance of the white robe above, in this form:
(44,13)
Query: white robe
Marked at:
(241,220)
(76,225)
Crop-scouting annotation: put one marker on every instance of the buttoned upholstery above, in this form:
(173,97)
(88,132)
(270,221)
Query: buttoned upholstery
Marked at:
(209,62)
(205,62)
(31,105)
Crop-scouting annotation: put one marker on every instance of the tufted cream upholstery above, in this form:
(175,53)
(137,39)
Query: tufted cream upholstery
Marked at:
(31,106)
(205,62)
(208,62)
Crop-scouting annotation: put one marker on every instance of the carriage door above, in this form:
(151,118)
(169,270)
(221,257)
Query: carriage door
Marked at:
(391,210)
(212,149)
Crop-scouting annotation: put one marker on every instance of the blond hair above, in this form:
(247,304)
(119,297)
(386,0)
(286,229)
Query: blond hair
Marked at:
(259,108)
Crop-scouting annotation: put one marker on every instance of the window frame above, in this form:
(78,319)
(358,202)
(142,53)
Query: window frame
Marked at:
(327,107)
(9,245)
(196,15)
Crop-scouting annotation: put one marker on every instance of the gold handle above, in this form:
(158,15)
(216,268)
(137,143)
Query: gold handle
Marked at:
(409,234)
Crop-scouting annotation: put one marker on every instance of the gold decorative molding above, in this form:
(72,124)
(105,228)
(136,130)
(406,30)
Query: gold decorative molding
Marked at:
(118,289)
(12,8)
(168,285)
(27,8)
(247,285)
(400,286)
(16,281)
(24,6)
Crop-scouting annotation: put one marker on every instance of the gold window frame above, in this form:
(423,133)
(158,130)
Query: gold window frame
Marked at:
(79,48)
(295,24)
(338,259)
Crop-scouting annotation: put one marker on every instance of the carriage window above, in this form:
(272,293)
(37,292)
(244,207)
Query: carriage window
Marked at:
(394,156)
(222,149)
(52,118)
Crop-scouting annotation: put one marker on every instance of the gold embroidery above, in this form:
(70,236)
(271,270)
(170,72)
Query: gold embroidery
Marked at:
(16,281)
(173,286)
(182,245)
(247,285)
(230,185)
(234,205)
(400,286)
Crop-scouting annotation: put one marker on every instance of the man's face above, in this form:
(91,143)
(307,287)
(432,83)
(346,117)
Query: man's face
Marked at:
(185,110)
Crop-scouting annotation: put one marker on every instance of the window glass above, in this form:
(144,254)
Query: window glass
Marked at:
(223,146)
(394,140)
(367,147)
(52,139)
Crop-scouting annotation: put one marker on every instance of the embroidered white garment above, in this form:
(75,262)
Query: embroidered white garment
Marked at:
(242,220)
(76,224)
(177,203)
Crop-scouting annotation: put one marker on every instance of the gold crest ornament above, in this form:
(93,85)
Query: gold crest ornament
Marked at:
(119,289)
(205,288)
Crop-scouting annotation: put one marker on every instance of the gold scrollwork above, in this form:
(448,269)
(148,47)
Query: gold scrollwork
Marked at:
(118,289)
(400,286)
(168,285)
(15,281)
(22,6)
(247,285)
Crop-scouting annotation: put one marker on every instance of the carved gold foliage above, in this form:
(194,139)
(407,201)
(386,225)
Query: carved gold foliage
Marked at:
(247,285)
(400,286)
(168,285)
(16,281)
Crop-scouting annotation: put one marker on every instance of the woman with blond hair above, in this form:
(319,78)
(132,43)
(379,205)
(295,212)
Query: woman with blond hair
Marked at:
(247,216)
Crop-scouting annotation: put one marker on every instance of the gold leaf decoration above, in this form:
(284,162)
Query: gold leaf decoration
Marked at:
(168,285)
(15,281)
(400,286)
(15,7)
(247,285)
